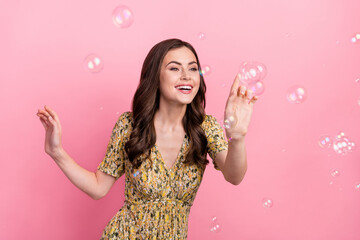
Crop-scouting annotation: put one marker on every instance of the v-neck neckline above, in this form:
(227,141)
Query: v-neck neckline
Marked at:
(177,158)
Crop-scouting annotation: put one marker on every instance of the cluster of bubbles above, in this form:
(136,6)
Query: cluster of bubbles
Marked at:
(215,226)
(122,17)
(252,74)
(341,144)
(296,94)
(356,38)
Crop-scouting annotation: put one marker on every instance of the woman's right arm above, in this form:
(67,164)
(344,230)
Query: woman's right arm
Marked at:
(97,184)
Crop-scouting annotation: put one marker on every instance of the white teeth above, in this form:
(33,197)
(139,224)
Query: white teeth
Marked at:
(184,87)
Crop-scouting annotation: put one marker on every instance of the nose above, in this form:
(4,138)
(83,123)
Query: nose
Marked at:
(185,75)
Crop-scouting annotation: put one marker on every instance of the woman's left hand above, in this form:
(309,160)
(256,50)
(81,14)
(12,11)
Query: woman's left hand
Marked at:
(238,110)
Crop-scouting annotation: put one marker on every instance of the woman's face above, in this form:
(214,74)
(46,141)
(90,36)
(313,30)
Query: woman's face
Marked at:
(179,76)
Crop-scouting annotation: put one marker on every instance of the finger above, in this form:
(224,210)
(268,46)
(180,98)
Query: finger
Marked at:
(48,119)
(254,99)
(235,85)
(241,91)
(44,112)
(44,123)
(43,120)
(52,113)
(249,94)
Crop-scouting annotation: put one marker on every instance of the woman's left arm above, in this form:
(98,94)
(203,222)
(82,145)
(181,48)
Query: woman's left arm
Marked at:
(238,111)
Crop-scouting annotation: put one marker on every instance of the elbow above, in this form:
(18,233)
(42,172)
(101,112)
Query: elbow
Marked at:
(97,196)
(236,181)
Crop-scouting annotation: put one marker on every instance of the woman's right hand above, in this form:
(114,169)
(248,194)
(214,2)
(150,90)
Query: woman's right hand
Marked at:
(51,122)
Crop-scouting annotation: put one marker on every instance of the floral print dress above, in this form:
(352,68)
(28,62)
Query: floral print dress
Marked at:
(157,199)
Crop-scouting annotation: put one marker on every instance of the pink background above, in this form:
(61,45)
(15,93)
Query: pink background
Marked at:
(307,42)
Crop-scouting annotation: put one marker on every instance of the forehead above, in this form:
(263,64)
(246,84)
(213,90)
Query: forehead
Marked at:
(183,55)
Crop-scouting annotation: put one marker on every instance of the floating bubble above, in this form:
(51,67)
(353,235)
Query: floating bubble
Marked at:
(357,80)
(342,145)
(325,141)
(229,122)
(262,69)
(257,88)
(122,16)
(355,38)
(335,173)
(135,172)
(357,186)
(296,94)
(93,63)
(201,36)
(249,72)
(267,202)
(215,226)
(205,70)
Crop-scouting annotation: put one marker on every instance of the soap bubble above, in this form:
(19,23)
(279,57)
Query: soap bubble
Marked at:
(249,72)
(342,144)
(122,16)
(355,38)
(201,35)
(215,226)
(267,202)
(205,70)
(335,173)
(93,63)
(262,69)
(325,141)
(257,88)
(135,172)
(229,122)
(357,186)
(296,94)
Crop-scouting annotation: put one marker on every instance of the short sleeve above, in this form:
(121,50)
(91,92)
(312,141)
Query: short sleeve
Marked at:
(215,137)
(114,160)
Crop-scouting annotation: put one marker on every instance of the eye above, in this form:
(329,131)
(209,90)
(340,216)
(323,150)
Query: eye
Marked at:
(173,68)
(194,69)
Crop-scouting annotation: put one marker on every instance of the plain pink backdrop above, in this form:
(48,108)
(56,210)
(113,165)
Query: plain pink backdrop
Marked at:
(308,42)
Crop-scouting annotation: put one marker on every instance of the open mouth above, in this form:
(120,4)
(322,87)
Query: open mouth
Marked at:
(186,89)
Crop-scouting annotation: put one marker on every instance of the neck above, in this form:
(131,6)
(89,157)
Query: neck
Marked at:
(169,117)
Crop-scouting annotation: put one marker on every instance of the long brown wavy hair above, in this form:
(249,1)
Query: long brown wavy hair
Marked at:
(146,102)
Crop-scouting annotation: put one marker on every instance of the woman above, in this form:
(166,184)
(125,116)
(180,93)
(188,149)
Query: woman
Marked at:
(161,146)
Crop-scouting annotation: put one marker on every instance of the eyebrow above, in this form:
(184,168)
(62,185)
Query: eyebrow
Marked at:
(180,63)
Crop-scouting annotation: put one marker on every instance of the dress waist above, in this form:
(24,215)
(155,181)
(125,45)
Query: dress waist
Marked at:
(161,201)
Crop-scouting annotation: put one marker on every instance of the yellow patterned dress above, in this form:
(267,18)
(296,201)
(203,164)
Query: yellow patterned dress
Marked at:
(157,200)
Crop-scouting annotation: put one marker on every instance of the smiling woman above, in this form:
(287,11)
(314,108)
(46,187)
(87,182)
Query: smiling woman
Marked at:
(160,146)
